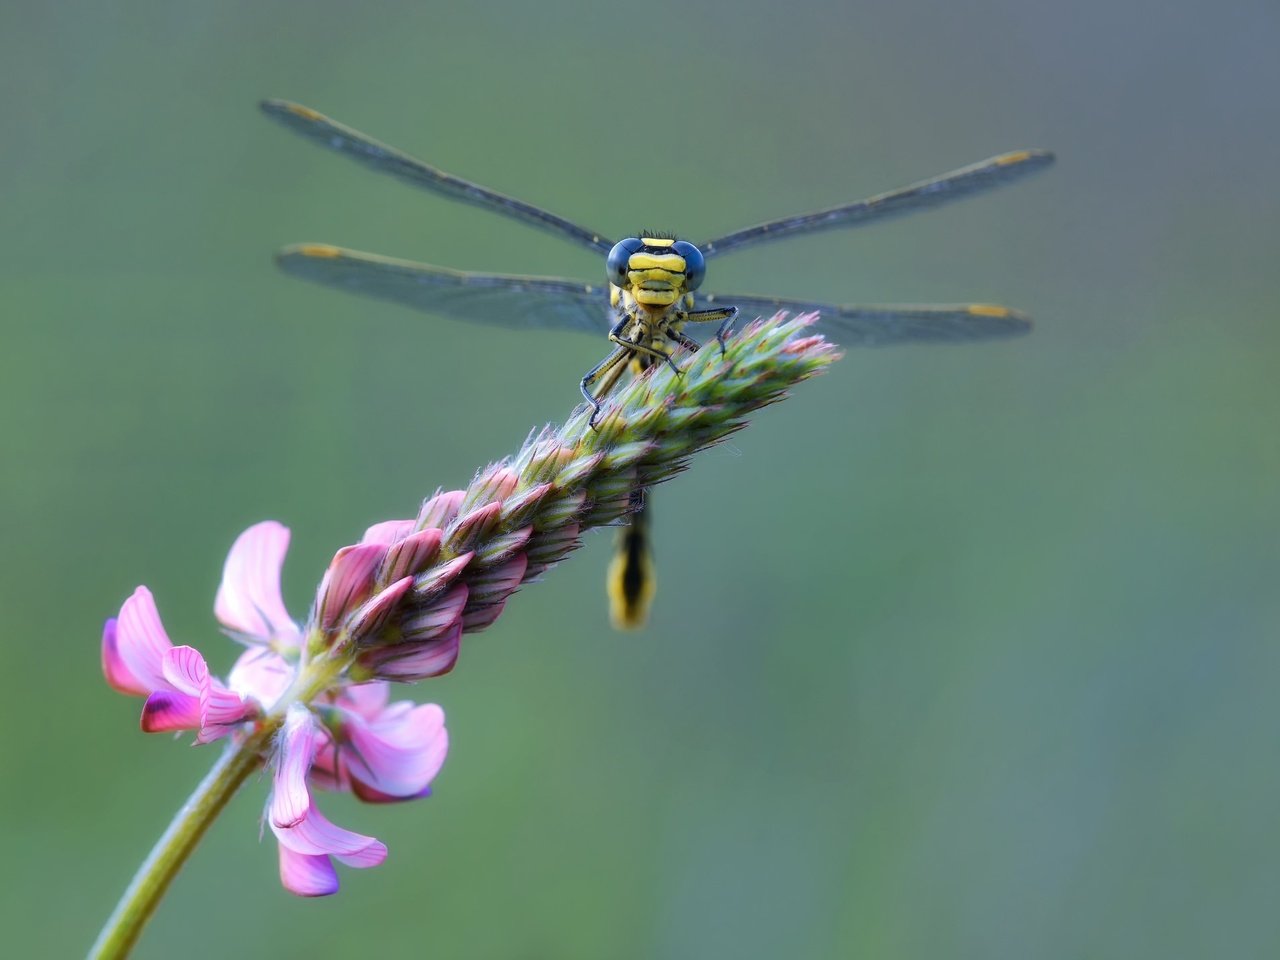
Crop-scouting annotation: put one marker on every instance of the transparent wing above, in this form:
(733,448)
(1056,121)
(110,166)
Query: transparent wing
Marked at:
(927,193)
(385,159)
(883,324)
(504,300)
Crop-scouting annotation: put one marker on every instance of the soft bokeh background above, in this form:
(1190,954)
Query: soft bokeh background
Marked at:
(962,652)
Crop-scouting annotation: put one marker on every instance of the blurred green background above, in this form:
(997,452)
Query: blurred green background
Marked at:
(962,652)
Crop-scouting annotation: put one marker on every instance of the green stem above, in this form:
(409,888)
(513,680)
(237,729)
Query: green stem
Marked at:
(171,851)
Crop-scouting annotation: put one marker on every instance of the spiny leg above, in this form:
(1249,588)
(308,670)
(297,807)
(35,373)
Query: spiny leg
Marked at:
(724,314)
(613,362)
(637,347)
(686,341)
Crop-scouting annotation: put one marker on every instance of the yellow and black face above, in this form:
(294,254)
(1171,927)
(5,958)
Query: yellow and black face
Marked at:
(656,271)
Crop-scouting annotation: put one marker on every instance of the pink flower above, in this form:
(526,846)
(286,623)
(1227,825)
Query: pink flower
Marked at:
(138,658)
(382,752)
(348,738)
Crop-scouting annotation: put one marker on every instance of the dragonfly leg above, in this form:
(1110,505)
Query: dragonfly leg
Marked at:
(725,314)
(686,341)
(635,346)
(599,372)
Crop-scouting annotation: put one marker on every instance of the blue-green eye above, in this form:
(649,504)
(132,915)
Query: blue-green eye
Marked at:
(695,267)
(615,267)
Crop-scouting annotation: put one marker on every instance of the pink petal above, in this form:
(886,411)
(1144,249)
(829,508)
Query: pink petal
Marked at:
(389,532)
(433,620)
(249,600)
(373,614)
(314,835)
(498,582)
(431,583)
(306,875)
(497,483)
(261,674)
(119,677)
(406,662)
(219,708)
(440,510)
(411,555)
(141,640)
(185,671)
(401,755)
(290,799)
(503,547)
(466,531)
(519,508)
(366,699)
(552,547)
(348,581)
(367,794)
(326,771)
(481,618)
(166,711)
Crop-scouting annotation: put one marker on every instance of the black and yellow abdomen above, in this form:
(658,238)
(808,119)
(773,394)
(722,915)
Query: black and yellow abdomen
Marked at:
(631,581)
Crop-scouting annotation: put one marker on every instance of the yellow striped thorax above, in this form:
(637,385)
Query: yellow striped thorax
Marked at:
(656,272)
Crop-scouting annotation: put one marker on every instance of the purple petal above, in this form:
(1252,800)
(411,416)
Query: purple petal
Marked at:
(432,583)
(498,582)
(432,620)
(290,799)
(466,531)
(551,547)
(401,754)
(373,615)
(262,674)
(118,675)
(411,555)
(316,836)
(306,875)
(417,661)
(141,641)
(348,581)
(166,711)
(388,532)
(482,617)
(249,600)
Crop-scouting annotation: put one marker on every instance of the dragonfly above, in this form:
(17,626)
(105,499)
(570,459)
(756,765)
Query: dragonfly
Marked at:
(652,289)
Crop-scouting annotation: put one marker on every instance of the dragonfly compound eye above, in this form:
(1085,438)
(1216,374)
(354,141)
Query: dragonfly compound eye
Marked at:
(615,267)
(695,267)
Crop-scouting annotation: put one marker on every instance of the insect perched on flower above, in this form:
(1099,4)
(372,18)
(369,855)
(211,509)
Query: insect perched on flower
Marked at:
(653,288)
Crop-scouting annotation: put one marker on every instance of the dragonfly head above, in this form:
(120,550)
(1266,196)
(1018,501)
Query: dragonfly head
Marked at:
(657,271)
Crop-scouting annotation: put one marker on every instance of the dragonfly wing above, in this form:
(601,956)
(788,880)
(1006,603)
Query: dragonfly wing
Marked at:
(883,324)
(927,193)
(329,133)
(501,299)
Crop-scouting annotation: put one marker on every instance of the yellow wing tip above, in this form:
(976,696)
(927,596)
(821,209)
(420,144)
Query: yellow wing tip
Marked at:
(1024,156)
(989,310)
(273,105)
(1016,320)
(317,251)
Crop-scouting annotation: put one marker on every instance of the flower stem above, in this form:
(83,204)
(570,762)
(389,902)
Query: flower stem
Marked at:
(151,881)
